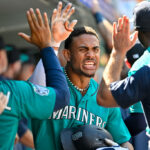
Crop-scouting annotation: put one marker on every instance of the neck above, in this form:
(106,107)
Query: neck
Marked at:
(79,81)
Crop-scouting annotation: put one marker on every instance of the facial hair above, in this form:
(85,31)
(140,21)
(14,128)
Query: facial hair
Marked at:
(79,71)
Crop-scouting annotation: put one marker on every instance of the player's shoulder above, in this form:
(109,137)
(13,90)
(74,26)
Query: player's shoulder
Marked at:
(143,60)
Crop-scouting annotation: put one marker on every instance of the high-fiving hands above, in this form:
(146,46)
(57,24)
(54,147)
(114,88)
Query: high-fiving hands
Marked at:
(121,36)
(41,34)
(39,28)
(60,26)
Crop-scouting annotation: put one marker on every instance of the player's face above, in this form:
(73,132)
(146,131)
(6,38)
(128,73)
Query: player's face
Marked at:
(142,39)
(85,54)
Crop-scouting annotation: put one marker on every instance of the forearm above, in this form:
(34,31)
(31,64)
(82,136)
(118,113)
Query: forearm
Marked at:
(105,28)
(127,145)
(55,78)
(113,68)
(105,31)
(111,73)
(121,44)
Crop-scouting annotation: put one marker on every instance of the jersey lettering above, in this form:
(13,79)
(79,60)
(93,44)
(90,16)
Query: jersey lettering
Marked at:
(70,112)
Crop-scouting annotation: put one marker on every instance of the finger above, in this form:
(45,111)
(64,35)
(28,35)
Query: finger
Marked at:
(25,36)
(59,8)
(39,17)
(124,23)
(114,29)
(72,24)
(54,15)
(134,38)
(66,10)
(34,19)
(72,10)
(30,22)
(119,26)
(46,22)
(127,28)
(110,142)
(4,99)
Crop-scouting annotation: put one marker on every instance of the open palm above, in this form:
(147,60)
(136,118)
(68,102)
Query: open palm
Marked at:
(60,26)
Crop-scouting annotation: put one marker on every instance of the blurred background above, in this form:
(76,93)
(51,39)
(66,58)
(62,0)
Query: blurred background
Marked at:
(13,15)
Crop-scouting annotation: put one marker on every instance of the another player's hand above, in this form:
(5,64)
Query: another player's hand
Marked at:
(121,36)
(110,142)
(16,139)
(3,102)
(60,26)
(39,28)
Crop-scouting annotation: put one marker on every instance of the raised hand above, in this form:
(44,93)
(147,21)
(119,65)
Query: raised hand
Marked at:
(121,36)
(60,26)
(3,102)
(39,28)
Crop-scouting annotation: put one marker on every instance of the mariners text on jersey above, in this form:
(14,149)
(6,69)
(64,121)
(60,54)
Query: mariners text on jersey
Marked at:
(80,114)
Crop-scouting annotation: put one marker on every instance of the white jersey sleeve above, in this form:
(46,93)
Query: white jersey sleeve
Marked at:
(38,77)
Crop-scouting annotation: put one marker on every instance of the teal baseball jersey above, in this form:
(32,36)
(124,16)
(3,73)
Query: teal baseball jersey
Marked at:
(26,100)
(143,60)
(81,110)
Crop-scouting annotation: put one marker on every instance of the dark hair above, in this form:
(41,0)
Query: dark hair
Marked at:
(77,32)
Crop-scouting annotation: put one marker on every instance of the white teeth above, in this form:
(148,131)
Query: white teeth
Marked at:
(89,63)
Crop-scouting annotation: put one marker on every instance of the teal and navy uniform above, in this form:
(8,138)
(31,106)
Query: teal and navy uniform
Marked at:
(143,60)
(81,110)
(32,101)
(134,89)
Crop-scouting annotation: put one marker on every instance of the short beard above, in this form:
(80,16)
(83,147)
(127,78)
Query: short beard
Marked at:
(86,74)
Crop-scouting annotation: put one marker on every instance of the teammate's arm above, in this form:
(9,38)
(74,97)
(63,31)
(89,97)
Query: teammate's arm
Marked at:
(105,28)
(121,43)
(61,29)
(41,37)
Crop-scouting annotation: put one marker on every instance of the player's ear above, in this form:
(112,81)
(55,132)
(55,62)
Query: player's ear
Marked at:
(66,54)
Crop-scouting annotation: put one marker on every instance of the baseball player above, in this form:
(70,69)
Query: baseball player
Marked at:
(140,26)
(26,99)
(134,88)
(82,55)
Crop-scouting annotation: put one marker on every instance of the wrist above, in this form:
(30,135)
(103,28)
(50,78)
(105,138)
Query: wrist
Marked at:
(55,44)
(45,45)
(98,17)
(118,53)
